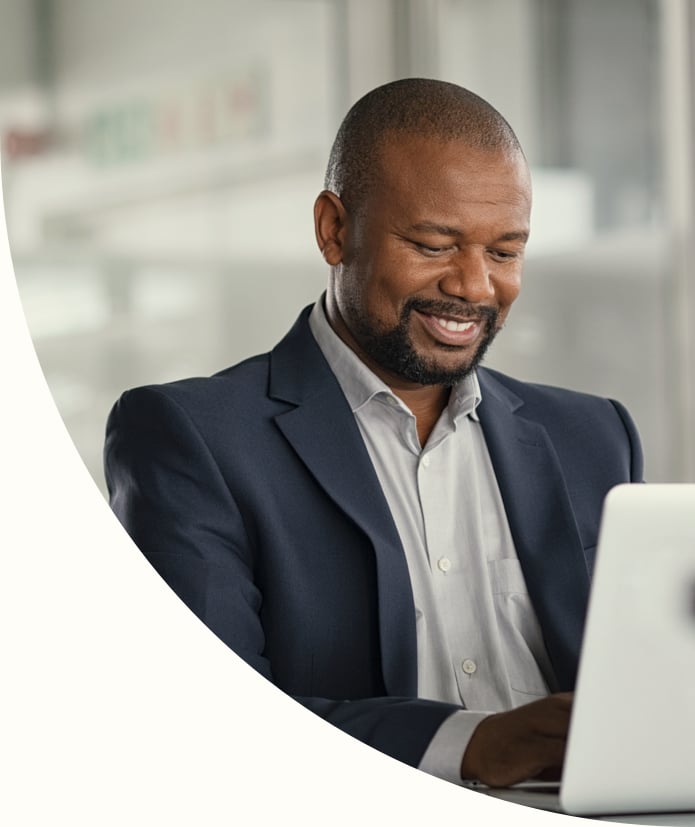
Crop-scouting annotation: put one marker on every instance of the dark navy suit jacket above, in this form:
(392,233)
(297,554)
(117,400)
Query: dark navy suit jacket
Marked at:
(251,492)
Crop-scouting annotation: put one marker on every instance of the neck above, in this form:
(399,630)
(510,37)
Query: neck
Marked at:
(427,403)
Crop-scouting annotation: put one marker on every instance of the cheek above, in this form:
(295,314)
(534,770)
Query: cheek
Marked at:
(383,305)
(401,278)
(507,291)
(386,277)
(389,285)
(364,291)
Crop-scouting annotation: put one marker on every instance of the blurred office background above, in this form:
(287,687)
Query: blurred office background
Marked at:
(161,158)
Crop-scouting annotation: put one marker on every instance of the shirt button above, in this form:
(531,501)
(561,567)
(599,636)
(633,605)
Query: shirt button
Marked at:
(469,666)
(443,564)
(426,460)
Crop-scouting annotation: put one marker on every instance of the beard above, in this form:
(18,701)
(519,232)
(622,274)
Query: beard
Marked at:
(393,350)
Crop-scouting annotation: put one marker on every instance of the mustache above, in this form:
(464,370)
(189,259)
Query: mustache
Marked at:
(461,310)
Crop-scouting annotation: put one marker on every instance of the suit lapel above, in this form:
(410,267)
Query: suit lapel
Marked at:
(541,521)
(322,430)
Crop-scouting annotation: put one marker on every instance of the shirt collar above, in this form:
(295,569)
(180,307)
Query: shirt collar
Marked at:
(360,384)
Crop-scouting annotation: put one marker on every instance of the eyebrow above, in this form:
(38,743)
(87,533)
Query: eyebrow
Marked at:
(443,229)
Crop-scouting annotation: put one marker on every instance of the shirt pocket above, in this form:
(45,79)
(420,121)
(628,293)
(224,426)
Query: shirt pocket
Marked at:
(528,665)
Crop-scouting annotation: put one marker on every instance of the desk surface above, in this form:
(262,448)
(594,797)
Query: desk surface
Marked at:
(548,800)
(658,819)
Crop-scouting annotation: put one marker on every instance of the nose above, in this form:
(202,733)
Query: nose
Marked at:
(468,277)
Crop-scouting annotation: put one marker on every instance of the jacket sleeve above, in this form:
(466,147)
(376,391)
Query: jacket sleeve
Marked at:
(169,493)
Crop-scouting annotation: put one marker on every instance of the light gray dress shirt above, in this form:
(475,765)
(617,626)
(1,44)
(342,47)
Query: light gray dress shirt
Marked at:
(479,643)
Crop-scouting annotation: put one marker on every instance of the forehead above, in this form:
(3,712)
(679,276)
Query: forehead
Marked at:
(415,171)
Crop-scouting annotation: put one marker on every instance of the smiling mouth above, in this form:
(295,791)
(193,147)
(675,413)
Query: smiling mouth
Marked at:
(452,324)
(449,331)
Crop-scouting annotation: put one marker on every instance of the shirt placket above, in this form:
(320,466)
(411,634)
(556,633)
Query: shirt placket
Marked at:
(457,570)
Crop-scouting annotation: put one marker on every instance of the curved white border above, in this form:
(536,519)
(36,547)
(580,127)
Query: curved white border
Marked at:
(119,706)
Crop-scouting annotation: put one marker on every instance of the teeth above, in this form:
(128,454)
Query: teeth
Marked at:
(449,324)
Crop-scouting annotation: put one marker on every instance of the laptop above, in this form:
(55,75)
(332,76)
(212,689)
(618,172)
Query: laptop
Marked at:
(631,743)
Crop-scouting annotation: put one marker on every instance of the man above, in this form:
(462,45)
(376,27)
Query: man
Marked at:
(397,538)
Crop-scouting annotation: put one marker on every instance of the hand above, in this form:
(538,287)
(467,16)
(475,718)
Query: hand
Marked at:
(523,743)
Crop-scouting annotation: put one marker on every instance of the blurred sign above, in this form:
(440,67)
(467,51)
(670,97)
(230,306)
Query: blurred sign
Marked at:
(206,113)
(25,143)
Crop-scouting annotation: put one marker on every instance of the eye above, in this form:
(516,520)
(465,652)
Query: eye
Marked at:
(432,252)
(503,255)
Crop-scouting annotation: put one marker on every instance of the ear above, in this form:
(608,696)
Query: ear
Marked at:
(330,225)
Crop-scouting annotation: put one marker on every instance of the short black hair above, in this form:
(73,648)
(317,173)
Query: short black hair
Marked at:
(411,106)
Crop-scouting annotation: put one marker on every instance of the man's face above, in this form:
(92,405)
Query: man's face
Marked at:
(430,266)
